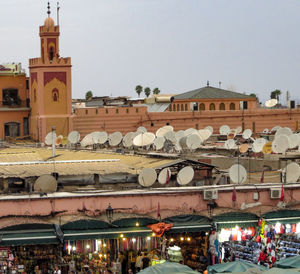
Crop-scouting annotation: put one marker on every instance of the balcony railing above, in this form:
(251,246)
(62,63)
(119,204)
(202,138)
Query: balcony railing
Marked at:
(15,103)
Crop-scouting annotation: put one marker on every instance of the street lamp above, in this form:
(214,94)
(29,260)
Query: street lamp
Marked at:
(109,213)
(211,205)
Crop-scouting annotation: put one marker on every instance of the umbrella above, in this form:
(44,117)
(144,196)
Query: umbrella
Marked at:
(168,268)
(233,267)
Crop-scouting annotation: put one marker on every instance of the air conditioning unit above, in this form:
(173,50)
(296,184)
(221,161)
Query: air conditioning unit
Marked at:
(210,194)
(275,193)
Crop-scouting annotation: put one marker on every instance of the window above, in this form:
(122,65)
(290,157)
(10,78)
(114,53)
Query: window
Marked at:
(152,124)
(222,106)
(174,107)
(167,123)
(232,106)
(27,84)
(55,95)
(182,107)
(86,111)
(212,106)
(34,95)
(25,126)
(170,107)
(202,106)
(178,107)
(127,110)
(96,111)
(185,107)
(10,96)
(195,106)
(197,126)
(136,110)
(106,111)
(51,53)
(117,110)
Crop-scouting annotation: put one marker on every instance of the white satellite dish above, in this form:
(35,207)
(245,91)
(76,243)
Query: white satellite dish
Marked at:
(237,174)
(74,137)
(247,133)
(159,143)
(224,130)
(294,140)
(190,142)
(177,147)
(292,173)
(185,175)
(280,144)
(170,135)
(284,131)
(141,129)
(163,130)
(190,131)
(271,103)
(229,144)
(238,130)
(45,184)
(258,145)
(274,129)
(114,139)
(210,128)
(144,139)
(179,134)
(102,137)
(164,176)
(49,138)
(266,130)
(147,177)
(128,139)
(87,140)
(204,134)
(95,136)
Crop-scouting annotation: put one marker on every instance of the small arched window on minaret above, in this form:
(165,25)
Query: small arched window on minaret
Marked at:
(55,95)
(51,53)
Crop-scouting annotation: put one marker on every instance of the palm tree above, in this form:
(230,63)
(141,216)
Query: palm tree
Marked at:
(139,90)
(275,94)
(156,91)
(88,95)
(147,91)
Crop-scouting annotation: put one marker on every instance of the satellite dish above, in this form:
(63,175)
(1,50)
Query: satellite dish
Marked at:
(204,134)
(87,140)
(185,175)
(58,140)
(280,144)
(294,140)
(115,138)
(237,174)
(141,130)
(170,135)
(229,144)
(247,134)
(128,139)
(224,130)
(45,184)
(179,134)
(95,136)
(210,128)
(267,148)
(164,176)
(49,137)
(163,130)
(243,148)
(238,130)
(64,141)
(190,131)
(284,131)
(159,143)
(102,137)
(258,145)
(144,139)
(274,129)
(190,142)
(147,177)
(266,130)
(292,172)
(74,137)
(271,103)
(177,146)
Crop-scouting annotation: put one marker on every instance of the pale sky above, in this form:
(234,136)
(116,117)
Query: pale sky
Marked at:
(251,46)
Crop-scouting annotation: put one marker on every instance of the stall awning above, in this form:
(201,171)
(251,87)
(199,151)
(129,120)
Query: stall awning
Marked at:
(232,219)
(283,216)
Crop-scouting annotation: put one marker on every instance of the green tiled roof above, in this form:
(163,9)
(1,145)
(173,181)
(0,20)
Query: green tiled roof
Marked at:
(211,93)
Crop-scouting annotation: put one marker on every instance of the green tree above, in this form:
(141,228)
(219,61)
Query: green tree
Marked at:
(139,90)
(147,91)
(156,91)
(275,94)
(88,95)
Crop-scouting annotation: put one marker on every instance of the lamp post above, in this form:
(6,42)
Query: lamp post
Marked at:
(109,213)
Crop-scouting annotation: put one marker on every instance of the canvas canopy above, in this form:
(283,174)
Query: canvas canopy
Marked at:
(292,262)
(168,268)
(233,267)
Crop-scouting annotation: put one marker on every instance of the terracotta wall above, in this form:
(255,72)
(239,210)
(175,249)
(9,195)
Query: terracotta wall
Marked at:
(125,120)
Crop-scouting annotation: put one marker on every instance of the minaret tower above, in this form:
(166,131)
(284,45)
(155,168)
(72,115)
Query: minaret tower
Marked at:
(50,85)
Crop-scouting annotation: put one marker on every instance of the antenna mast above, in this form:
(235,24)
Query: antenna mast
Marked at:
(57,9)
